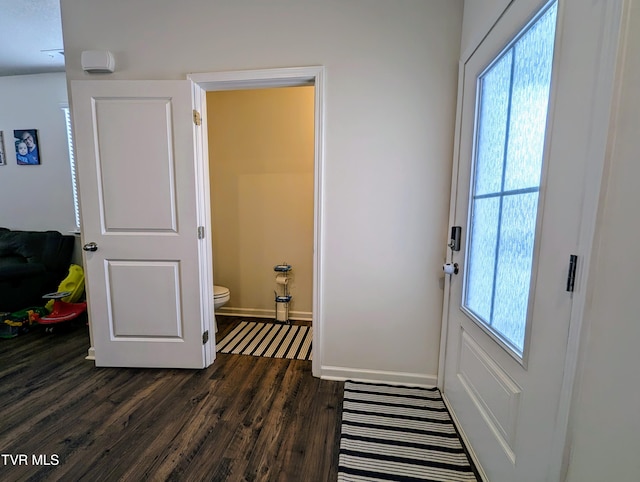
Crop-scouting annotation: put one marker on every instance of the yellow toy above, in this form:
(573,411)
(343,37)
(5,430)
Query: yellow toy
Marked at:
(73,283)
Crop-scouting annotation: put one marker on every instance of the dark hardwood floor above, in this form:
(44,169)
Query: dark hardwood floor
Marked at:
(243,418)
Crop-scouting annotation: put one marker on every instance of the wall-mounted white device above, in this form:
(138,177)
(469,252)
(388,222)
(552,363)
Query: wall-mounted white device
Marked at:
(97,61)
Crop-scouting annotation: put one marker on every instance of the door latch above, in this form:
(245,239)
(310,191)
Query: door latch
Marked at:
(454,241)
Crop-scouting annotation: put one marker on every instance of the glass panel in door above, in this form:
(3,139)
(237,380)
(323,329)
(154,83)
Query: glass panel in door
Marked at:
(511,118)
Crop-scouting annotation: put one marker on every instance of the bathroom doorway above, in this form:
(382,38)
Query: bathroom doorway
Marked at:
(270,189)
(261,159)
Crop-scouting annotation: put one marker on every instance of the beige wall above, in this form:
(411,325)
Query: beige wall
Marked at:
(261,154)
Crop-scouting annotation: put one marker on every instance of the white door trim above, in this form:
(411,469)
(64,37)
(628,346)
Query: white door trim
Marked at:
(203,215)
(262,79)
(602,110)
(444,327)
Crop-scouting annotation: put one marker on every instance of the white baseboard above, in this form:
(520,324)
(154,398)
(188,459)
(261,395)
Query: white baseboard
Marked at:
(262,313)
(378,376)
(91,354)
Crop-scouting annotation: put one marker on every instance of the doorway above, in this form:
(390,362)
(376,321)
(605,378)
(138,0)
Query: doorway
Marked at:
(263,79)
(261,159)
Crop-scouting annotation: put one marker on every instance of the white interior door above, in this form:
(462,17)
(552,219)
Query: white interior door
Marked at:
(518,194)
(136,165)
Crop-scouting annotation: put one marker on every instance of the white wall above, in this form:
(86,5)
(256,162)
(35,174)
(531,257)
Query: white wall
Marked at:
(36,197)
(391,79)
(605,418)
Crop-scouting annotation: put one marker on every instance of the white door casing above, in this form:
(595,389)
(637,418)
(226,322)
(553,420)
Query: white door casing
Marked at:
(135,143)
(260,79)
(513,413)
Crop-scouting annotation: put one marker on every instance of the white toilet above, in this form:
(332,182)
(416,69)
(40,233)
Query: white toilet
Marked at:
(220,296)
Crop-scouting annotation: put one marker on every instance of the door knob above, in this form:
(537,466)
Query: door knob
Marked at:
(90,246)
(449,268)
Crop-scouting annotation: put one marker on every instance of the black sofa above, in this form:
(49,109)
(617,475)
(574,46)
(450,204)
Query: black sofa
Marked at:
(32,263)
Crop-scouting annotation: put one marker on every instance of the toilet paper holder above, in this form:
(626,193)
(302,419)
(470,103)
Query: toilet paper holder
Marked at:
(282,300)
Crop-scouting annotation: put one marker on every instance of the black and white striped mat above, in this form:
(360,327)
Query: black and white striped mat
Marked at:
(400,434)
(273,340)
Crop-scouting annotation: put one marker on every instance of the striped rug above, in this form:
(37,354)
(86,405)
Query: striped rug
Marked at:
(400,434)
(273,340)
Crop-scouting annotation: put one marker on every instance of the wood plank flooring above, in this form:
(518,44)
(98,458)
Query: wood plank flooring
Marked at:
(244,418)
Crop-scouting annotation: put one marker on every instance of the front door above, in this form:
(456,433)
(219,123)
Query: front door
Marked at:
(517,194)
(135,150)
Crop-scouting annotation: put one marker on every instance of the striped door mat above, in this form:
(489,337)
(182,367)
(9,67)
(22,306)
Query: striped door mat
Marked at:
(269,340)
(400,434)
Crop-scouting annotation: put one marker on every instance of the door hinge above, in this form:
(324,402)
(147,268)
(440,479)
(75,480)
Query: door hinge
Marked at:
(197,120)
(571,276)
(200,232)
(205,337)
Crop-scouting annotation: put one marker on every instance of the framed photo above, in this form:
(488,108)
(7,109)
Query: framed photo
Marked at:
(27,149)
(3,156)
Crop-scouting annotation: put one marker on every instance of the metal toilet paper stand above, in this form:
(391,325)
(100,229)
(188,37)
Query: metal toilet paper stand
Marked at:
(283,299)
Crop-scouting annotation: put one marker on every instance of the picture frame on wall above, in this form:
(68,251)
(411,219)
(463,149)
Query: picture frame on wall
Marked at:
(3,156)
(27,148)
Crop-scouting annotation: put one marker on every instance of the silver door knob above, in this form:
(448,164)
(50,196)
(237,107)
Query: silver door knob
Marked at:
(90,246)
(449,268)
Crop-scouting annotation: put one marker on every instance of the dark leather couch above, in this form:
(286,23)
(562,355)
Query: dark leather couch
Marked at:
(32,263)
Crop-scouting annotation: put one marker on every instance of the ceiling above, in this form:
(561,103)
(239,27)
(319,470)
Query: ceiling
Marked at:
(30,37)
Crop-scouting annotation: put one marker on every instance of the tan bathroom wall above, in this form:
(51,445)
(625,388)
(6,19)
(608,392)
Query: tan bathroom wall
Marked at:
(261,154)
